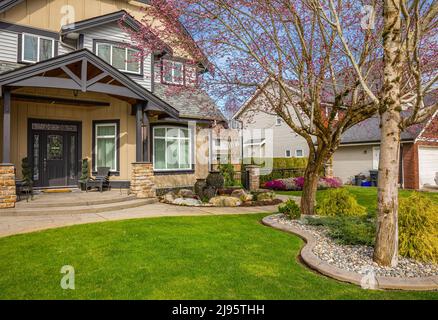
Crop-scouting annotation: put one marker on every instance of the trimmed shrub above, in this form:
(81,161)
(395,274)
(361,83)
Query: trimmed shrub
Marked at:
(339,202)
(348,230)
(227,171)
(418,228)
(291,209)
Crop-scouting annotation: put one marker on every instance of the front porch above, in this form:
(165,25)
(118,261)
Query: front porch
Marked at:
(76,202)
(73,107)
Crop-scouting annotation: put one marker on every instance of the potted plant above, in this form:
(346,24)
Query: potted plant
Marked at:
(85,175)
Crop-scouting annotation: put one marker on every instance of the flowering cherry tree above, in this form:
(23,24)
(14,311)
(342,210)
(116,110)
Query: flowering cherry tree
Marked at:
(285,50)
(323,66)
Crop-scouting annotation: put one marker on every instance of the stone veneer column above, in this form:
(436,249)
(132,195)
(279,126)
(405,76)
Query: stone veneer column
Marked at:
(142,184)
(8,196)
(254,177)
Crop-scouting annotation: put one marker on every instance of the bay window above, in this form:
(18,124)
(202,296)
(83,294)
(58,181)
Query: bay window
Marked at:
(172,149)
(106,145)
(121,58)
(36,48)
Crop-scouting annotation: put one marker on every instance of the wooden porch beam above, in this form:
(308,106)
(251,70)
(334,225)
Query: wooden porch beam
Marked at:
(138,126)
(70,73)
(84,76)
(146,135)
(6,125)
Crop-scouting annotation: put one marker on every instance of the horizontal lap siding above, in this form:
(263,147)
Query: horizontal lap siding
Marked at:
(9,46)
(112,32)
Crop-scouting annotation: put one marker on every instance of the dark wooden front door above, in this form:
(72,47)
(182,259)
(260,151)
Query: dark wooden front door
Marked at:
(55,154)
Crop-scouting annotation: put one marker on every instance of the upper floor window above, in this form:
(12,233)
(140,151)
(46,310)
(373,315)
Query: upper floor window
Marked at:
(173,72)
(124,59)
(37,48)
(278,121)
(299,153)
(178,73)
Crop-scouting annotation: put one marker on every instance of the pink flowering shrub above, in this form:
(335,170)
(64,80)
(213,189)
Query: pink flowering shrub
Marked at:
(297,184)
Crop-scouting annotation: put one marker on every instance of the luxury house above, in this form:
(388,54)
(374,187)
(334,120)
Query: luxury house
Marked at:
(74,90)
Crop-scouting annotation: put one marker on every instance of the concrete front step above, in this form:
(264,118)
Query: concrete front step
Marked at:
(55,203)
(96,208)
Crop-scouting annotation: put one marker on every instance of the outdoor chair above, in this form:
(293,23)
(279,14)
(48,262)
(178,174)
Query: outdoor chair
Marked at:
(101,180)
(22,187)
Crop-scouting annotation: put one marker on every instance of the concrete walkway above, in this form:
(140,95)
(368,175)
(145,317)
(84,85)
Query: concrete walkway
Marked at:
(10,225)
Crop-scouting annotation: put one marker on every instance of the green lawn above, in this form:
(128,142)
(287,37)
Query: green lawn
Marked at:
(365,196)
(213,257)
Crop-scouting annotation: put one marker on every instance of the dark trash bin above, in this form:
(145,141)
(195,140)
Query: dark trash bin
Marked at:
(358,180)
(374,177)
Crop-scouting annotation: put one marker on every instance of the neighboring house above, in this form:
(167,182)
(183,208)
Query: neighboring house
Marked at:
(74,91)
(360,150)
(266,134)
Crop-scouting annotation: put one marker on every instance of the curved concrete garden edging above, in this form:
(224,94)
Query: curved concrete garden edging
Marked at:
(414,284)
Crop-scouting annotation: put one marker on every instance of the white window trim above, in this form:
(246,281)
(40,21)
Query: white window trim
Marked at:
(296,153)
(290,154)
(126,56)
(38,46)
(179,149)
(106,137)
(179,83)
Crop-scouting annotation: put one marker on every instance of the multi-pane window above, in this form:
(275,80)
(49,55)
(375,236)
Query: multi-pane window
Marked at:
(106,146)
(173,72)
(172,149)
(122,58)
(37,48)
(299,153)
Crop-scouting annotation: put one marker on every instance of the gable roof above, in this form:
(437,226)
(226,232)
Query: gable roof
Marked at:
(8,4)
(29,71)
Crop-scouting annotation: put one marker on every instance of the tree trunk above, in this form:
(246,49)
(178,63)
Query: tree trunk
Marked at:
(311,178)
(386,248)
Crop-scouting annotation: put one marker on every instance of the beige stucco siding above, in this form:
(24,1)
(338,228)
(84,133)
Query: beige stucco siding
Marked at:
(349,161)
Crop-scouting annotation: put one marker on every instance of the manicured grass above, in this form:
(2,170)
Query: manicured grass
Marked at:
(365,196)
(214,257)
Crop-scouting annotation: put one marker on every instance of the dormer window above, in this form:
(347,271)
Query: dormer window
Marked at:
(122,58)
(179,73)
(36,48)
(173,72)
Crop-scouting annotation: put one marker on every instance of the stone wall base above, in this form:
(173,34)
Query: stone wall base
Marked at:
(8,196)
(142,184)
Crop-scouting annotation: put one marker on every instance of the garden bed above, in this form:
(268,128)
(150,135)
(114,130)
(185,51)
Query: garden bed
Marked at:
(356,258)
(223,198)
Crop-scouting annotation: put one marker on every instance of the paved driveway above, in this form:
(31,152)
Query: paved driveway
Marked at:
(24,224)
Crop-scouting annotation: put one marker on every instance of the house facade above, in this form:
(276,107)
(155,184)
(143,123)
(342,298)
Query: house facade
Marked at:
(359,153)
(73,89)
(266,135)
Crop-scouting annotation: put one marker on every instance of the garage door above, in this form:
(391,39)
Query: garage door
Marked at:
(428,165)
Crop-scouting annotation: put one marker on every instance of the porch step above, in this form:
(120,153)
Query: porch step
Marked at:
(63,210)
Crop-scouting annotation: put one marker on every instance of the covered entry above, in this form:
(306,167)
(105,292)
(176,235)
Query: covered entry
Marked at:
(55,140)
